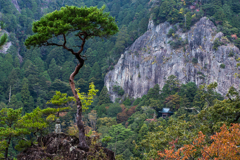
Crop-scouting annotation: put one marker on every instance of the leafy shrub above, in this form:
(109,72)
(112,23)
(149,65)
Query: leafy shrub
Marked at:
(137,101)
(194,60)
(231,54)
(170,32)
(217,43)
(118,89)
(127,102)
(176,44)
(113,110)
(222,66)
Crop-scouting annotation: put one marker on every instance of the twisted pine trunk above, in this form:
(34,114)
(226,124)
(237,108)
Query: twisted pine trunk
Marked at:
(82,139)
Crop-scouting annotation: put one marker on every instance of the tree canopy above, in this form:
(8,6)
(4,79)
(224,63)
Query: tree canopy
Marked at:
(85,22)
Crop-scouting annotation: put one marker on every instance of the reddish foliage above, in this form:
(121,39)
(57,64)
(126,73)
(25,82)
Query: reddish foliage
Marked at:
(131,110)
(125,114)
(234,36)
(224,146)
(62,114)
(192,7)
(122,117)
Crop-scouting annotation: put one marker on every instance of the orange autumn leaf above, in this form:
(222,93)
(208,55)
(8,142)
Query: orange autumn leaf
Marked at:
(225,145)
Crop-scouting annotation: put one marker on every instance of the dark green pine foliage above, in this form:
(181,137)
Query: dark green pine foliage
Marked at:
(171,86)
(14,103)
(25,95)
(104,96)
(54,70)
(9,129)
(217,3)
(132,17)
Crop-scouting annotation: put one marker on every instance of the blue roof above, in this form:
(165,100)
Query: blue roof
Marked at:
(165,110)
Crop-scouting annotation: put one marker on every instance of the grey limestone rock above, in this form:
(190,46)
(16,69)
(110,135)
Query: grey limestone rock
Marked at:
(151,60)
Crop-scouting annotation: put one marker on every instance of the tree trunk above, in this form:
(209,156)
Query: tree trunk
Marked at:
(82,139)
(6,151)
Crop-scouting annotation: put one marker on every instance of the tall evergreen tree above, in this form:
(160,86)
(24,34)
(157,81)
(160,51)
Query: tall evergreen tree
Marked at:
(104,96)
(25,94)
(54,70)
(93,22)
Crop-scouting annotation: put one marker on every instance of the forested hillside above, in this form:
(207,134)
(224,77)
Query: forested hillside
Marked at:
(132,128)
(45,70)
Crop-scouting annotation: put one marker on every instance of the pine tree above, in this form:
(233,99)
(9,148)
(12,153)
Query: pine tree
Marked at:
(25,94)
(67,70)
(14,103)
(217,3)
(104,96)
(142,132)
(9,129)
(86,72)
(60,100)
(96,71)
(54,70)
(93,22)
(40,64)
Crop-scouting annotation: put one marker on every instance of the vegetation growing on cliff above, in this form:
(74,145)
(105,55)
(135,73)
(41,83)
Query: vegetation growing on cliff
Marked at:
(223,13)
(133,129)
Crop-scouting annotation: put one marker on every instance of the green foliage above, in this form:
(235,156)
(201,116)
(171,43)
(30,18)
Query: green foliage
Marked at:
(119,132)
(119,90)
(194,60)
(87,99)
(217,43)
(60,101)
(137,101)
(89,21)
(9,128)
(127,102)
(3,39)
(222,66)
(113,110)
(104,96)
(171,32)
(177,43)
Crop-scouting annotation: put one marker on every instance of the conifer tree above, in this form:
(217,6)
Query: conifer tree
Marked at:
(96,71)
(217,3)
(54,70)
(60,101)
(104,96)
(25,94)
(4,37)
(85,23)
(9,129)
(14,103)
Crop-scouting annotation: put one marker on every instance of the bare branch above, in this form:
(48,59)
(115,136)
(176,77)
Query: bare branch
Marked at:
(192,109)
(52,44)
(65,47)
(83,42)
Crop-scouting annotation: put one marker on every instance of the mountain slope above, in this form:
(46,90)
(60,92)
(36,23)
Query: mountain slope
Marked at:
(201,55)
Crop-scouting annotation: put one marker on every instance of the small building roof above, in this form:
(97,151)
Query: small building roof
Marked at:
(165,110)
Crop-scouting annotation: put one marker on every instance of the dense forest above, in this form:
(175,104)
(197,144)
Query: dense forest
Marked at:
(32,80)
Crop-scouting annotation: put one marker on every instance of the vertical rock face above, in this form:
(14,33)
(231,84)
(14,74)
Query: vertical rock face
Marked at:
(15,3)
(151,60)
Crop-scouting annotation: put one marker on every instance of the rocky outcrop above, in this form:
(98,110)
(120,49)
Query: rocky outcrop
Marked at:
(5,47)
(151,60)
(15,3)
(62,147)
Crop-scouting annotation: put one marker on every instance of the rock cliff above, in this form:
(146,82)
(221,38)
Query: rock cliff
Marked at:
(151,60)
(63,147)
